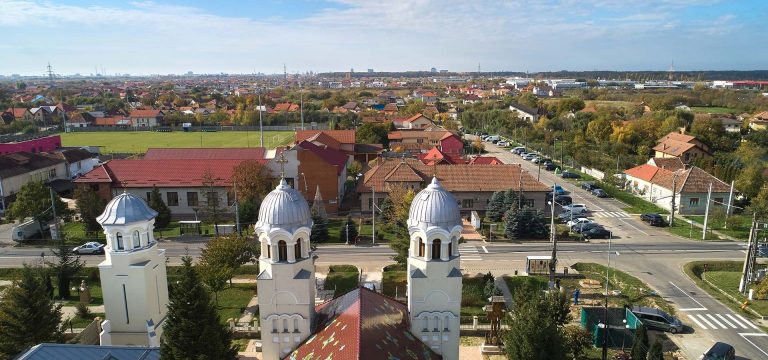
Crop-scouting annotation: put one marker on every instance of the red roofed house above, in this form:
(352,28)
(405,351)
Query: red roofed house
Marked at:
(417,141)
(146,118)
(14,113)
(321,167)
(654,181)
(343,140)
(436,157)
(180,182)
(286,107)
(685,147)
(417,121)
(487,160)
(254,153)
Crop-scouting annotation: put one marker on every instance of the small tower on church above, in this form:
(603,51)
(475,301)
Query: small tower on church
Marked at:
(133,276)
(434,275)
(286,283)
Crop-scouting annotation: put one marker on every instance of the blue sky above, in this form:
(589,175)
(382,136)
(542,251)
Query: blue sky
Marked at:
(147,37)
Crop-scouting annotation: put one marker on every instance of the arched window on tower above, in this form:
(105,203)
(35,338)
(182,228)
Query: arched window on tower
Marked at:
(436,249)
(297,249)
(282,251)
(269,251)
(119,238)
(450,248)
(136,239)
(421,246)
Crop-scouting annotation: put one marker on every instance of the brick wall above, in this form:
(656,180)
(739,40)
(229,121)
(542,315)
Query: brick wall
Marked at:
(318,172)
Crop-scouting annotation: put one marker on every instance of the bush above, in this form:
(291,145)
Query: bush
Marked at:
(83,312)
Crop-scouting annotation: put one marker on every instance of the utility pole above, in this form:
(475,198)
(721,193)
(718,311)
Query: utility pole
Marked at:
(55,217)
(706,213)
(301,101)
(261,122)
(674,196)
(553,236)
(746,272)
(520,188)
(237,212)
(373,218)
(605,306)
(728,208)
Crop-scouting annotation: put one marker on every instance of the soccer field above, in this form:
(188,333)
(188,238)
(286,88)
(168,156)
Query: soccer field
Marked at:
(139,142)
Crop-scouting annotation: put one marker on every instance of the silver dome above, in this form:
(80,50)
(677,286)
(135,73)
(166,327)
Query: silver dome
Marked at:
(284,207)
(126,209)
(434,206)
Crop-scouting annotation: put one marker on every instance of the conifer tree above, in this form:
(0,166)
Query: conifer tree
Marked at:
(90,206)
(319,229)
(348,231)
(193,329)
(28,315)
(66,266)
(163,213)
(640,345)
(656,353)
(496,206)
(532,333)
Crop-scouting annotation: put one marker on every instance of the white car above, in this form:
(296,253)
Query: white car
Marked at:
(578,221)
(529,156)
(576,209)
(502,143)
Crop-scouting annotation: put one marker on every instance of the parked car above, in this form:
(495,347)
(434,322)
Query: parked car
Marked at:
(493,138)
(599,193)
(565,216)
(578,221)
(597,232)
(558,190)
(576,209)
(563,200)
(720,351)
(588,186)
(585,227)
(89,248)
(529,157)
(502,143)
(657,319)
(569,175)
(653,219)
(518,150)
(550,167)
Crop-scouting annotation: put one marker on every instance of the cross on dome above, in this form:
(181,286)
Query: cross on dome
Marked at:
(282,161)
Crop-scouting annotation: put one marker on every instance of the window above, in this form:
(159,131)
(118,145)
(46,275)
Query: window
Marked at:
(173,198)
(466,203)
(191,198)
(450,249)
(419,141)
(436,249)
(529,202)
(282,251)
(119,238)
(295,325)
(693,201)
(269,251)
(719,201)
(136,239)
(297,249)
(421,247)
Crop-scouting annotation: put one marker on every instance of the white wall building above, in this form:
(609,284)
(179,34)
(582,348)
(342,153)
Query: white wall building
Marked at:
(434,275)
(133,275)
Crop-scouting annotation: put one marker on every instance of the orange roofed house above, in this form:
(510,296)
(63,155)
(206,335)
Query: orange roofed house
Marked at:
(472,185)
(685,147)
(342,140)
(146,118)
(655,180)
(418,141)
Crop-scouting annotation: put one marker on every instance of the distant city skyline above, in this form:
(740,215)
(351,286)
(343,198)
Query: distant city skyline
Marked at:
(241,37)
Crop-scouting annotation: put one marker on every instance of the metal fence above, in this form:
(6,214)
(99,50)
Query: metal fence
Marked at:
(204,128)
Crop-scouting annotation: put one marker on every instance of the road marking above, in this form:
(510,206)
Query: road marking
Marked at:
(693,309)
(485,249)
(702,318)
(697,322)
(736,321)
(725,320)
(686,294)
(753,334)
(744,336)
(747,321)
(715,320)
(634,227)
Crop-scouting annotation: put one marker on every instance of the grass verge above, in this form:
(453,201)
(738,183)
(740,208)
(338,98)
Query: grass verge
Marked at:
(342,278)
(690,231)
(138,141)
(725,276)
(234,299)
(394,281)
(635,205)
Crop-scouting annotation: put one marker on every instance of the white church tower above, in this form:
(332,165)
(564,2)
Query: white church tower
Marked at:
(133,277)
(286,283)
(434,275)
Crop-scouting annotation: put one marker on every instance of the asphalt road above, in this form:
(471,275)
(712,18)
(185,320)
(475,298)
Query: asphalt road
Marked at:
(649,253)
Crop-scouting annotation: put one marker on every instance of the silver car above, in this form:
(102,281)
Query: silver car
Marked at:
(89,248)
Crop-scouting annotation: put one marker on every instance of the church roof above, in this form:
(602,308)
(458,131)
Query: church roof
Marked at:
(284,206)
(434,206)
(362,324)
(126,208)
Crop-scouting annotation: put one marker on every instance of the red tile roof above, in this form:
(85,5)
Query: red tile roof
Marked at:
(691,180)
(146,113)
(673,147)
(282,106)
(17,112)
(163,173)
(342,136)
(329,155)
(255,153)
(110,121)
(490,160)
(644,172)
(362,324)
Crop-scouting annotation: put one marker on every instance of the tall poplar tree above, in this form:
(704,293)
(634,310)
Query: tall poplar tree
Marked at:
(193,329)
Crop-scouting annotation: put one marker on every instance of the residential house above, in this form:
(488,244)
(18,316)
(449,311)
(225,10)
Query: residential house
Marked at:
(19,168)
(390,109)
(343,140)
(524,112)
(146,118)
(112,121)
(472,185)
(283,107)
(759,121)
(655,180)
(485,160)
(731,124)
(436,157)
(322,168)
(16,114)
(181,182)
(31,144)
(417,121)
(76,120)
(417,141)
(426,96)
(254,153)
(79,162)
(45,115)
(685,147)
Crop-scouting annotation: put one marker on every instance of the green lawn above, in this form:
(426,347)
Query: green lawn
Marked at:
(342,278)
(78,322)
(473,296)
(713,110)
(381,233)
(233,300)
(138,142)
(725,275)
(685,229)
(738,225)
(635,205)
(633,291)
(394,283)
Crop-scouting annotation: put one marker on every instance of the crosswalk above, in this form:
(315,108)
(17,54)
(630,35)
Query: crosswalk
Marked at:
(721,321)
(611,214)
(469,253)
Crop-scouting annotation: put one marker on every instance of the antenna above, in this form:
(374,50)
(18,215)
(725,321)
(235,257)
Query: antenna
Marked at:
(672,71)
(50,73)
